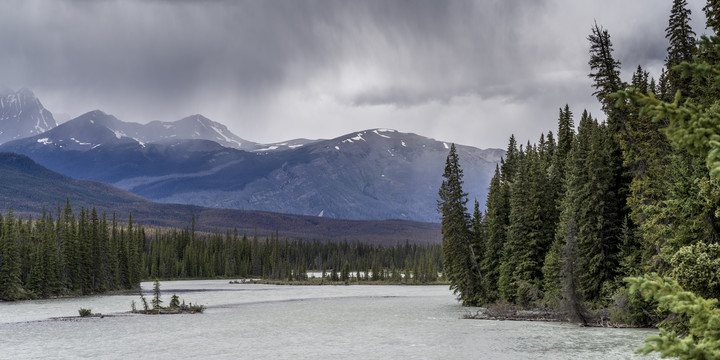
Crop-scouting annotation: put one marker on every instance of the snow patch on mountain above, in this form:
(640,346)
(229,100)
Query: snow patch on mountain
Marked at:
(378,133)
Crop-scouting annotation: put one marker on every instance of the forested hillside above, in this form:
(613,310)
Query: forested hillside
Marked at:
(80,253)
(569,217)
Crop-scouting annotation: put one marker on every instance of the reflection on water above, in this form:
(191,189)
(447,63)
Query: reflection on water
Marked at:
(248,321)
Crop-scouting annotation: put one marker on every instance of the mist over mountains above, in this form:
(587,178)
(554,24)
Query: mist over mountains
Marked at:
(367,175)
(22,115)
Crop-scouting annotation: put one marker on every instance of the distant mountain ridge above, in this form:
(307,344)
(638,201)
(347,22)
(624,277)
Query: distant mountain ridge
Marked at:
(367,175)
(22,115)
(28,187)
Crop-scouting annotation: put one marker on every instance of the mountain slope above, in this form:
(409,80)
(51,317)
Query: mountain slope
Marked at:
(192,127)
(27,187)
(369,175)
(22,115)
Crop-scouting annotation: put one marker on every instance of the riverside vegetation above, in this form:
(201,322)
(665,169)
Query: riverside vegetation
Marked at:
(84,253)
(175,306)
(571,225)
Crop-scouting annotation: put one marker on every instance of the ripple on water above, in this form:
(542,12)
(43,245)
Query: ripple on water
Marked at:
(298,322)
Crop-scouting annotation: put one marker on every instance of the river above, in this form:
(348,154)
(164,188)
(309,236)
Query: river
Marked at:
(252,321)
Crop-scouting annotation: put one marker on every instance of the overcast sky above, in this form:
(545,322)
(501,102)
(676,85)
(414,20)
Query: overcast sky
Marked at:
(461,71)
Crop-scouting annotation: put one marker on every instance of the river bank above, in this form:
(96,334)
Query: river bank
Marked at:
(508,312)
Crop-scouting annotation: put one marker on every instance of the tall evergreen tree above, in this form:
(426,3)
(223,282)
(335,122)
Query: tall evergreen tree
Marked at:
(605,72)
(682,46)
(712,15)
(459,262)
(495,224)
(10,285)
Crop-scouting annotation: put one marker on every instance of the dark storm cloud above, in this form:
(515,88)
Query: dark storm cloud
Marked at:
(168,50)
(250,62)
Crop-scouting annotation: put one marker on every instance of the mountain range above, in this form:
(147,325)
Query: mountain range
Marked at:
(28,187)
(367,175)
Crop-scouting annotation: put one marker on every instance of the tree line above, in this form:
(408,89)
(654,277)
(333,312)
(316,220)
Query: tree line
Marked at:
(79,253)
(86,253)
(182,253)
(569,217)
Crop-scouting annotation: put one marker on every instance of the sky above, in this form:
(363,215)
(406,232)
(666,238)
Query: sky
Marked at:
(469,72)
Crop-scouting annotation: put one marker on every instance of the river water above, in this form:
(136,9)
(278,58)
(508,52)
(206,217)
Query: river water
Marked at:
(251,321)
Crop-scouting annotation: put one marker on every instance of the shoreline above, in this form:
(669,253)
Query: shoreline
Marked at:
(319,281)
(545,316)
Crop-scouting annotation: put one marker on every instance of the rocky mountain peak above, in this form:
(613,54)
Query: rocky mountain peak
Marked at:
(22,115)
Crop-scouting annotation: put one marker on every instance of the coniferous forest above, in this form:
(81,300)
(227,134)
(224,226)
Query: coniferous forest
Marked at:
(86,253)
(573,220)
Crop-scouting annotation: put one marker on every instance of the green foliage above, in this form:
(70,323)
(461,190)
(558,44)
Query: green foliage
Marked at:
(174,301)
(174,253)
(494,226)
(345,272)
(459,261)
(69,255)
(631,308)
(605,70)
(156,301)
(702,339)
(146,307)
(10,285)
(697,268)
(85,312)
(83,253)
(682,46)
(175,306)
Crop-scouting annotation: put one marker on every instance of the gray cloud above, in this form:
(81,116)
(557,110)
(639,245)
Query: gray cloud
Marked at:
(464,71)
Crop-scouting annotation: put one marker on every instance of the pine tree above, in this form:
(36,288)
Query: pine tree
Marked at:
(605,71)
(478,241)
(495,223)
(682,46)
(10,285)
(530,228)
(606,156)
(156,301)
(459,263)
(712,15)
(517,232)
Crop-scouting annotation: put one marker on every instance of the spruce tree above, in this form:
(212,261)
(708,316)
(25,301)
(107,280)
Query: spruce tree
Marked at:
(460,266)
(156,301)
(605,71)
(682,46)
(494,224)
(712,15)
(10,284)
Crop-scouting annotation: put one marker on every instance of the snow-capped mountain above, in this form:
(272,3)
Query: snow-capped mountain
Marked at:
(22,115)
(191,127)
(371,174)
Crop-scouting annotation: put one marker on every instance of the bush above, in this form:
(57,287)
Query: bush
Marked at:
(528,295)
(632,309)
(85,312)
(174,302)
(195,308)
(700,338)
(697,268)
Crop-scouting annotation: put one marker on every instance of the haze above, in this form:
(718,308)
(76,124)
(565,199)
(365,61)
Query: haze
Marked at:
(461,71)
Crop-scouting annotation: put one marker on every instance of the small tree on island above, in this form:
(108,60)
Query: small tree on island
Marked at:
(156,301)
(174,301)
